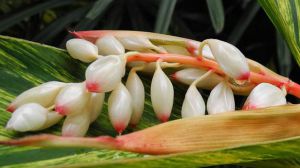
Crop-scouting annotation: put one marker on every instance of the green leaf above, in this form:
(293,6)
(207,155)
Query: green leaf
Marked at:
(19,16)
(164,16)
(216,13)
(283,56)
(285,15)
(24,64)
(243,22)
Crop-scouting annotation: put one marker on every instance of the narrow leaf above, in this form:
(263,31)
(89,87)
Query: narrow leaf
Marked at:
(283,15)
(283,56)
(19,16)
(243,22)
(216,13)
(164,16)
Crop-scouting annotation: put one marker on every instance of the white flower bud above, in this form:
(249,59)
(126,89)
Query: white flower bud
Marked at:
(162,94)
(206,52)
(120,108)
(72,99)
(82,50)
(109,45)
(193,104)
(230,59)
(265,95)
(136,89)
(189,75)
(221,99)
(28,117)
(137,43)
(95,105)
(104,74)
(43,94)
(52,119)
(76,125)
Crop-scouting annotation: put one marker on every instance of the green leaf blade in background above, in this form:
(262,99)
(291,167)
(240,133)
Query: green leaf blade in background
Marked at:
(216,13)
(285,16)
(25,64)
(164,16)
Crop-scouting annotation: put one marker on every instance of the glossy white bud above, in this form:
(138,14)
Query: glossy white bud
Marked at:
(189,75)
(162,94)
(104,74)
(206,52)
(265,95)
(95,105)
(193,104)
(43,94)
(136,89)
(230,59)
(109,45)
(76,125)
(120,108)
(221,99)
(82,50)
(72,99)
(28,117)
(137,43)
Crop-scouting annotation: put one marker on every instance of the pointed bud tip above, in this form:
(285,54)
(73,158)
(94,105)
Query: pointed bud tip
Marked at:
(173,76)
(10,108)
(119,127)
(163,118)
(93,87)
(248,107)
(244,76)
(61,110)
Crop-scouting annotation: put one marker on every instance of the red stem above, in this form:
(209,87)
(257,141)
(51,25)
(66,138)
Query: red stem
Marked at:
(256,78)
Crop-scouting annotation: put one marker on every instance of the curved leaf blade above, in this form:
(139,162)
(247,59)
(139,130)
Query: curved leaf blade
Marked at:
(164,16)
(216,13)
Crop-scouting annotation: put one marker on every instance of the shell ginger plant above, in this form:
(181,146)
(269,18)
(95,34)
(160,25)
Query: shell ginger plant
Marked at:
(211,64)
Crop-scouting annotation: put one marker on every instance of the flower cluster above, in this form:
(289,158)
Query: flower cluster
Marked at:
(81,103)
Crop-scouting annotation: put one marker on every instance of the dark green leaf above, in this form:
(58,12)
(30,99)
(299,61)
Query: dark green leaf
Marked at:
(283,56)
(243,22)
(216,13)
(164,16)
(19,16)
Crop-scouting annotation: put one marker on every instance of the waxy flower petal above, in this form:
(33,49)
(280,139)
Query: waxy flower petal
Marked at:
(189,75)
(104,74)
(95,105)
(193,104)
(82,50)
(76,125)
(221,99)
(72,99)
(136,89)
(230,59)
(28,117)
(162,94)
(43,94)
(109,45)
(137,43)
(120,108)
(265,95)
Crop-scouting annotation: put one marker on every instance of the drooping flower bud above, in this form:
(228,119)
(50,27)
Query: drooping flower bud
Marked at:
(193,104)
(72,99)
(162,94)
(230,59)
(138,43)
(82,50)
(189,75)
(221,99)
(28,117)
(136,89)
(95,105)
(120,108)
(104,74)
(76,125)
(109,45)
(43,94)
(265,95)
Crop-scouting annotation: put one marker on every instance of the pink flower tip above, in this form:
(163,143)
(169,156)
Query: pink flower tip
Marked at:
(173,76)
(163,118)
(61,110)
(92,87)
(119,128)
(248,107)
(10,108)
(244,76)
